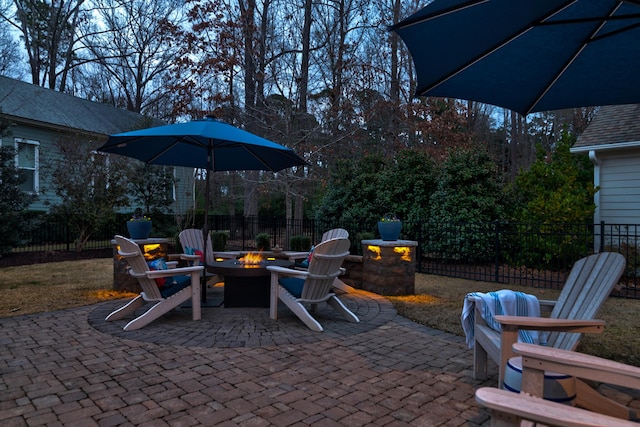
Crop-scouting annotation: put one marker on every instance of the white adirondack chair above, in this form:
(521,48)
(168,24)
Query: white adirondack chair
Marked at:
(297,288)
(590,282)
(163,300)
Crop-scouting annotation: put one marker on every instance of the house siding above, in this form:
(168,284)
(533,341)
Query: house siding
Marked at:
(44,139)
(619,195)
(48,116)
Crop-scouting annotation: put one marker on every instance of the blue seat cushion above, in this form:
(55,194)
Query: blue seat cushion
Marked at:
(292,284)
(178,283)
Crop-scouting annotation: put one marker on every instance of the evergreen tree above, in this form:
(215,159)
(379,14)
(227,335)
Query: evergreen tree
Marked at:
(13,201)
(468,199)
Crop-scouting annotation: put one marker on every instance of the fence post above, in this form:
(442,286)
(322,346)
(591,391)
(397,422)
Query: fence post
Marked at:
(417,230)
(601,236)
(66,233)
(496,248)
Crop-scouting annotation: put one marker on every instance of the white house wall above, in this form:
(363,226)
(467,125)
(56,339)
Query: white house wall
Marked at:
(619,196)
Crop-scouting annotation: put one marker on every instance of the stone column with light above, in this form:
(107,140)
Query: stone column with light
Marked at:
(389,267)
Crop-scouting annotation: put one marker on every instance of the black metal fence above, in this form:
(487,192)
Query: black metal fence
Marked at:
(538,255)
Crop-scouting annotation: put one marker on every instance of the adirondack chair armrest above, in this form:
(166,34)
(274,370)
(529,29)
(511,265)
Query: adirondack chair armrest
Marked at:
(189,258)
(510,408)
(547,324)
(292,256)
(182,271)
(578,365)
(287,271)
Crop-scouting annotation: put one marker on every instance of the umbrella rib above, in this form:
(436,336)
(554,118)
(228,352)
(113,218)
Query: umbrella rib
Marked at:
(170,146)
(571,60)
(420,19)
(499,45)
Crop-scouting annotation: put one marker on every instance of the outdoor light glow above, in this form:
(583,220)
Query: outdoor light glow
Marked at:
(150,251)
(219,259)
(404,252)
(376,251)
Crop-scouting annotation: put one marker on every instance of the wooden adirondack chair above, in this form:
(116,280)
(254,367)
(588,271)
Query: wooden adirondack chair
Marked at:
(335,233)
(511,409)
(192,238)
(589,284)
(165,299)
(296,288)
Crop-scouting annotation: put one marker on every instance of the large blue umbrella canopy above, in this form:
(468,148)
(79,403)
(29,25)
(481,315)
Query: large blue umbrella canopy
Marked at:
(527,55)
(206,144)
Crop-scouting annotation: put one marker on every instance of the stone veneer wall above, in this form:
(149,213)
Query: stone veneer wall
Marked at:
(389,267)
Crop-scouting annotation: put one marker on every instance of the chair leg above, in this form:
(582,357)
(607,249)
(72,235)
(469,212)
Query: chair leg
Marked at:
(196,309)
(158,310)
(342,309)
(126,309)
(299,310)
(588,398)
(480,360)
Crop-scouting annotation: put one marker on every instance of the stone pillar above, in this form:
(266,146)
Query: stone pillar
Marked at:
(389,267)
(151,249)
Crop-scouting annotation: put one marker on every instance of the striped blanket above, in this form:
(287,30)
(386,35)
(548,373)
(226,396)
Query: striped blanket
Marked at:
(504,302)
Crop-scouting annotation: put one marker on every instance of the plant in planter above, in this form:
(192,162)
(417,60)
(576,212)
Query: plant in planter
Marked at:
(389,227)
(139,226)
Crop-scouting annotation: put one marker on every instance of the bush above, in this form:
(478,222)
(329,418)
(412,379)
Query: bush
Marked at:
(356,243)
(12,202)
(300,243)
(263,242)
(219,240)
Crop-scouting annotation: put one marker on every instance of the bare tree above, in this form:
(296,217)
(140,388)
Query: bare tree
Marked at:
(51,35)
(135,49)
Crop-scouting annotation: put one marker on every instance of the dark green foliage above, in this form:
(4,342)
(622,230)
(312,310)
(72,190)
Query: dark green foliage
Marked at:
(263,242)
(356,243)
(13,202)
(362,191)
(469,197)
(300,243)
(557,190)
(219,240)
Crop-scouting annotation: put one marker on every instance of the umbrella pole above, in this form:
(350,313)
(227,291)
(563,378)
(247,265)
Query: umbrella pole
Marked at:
(205,237)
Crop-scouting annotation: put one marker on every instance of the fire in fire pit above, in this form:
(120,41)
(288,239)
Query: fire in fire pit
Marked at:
(251,258)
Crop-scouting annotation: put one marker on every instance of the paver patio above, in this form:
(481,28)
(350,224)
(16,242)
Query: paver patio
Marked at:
(235,367)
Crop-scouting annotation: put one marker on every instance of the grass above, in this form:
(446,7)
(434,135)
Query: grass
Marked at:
(437,302)
(55,286)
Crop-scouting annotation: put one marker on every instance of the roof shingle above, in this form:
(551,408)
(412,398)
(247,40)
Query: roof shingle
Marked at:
(56,109)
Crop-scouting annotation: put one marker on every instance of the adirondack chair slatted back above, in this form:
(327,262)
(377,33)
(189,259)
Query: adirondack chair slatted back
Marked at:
(324,267)
(192,237)
(138,267)
(589,284)
(335,233)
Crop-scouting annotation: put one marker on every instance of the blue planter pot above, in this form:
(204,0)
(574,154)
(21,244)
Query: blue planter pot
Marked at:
(139,229)
(389,230)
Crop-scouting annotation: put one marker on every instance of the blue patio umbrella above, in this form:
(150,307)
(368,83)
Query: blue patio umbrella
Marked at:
(527,55)
(206,144)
